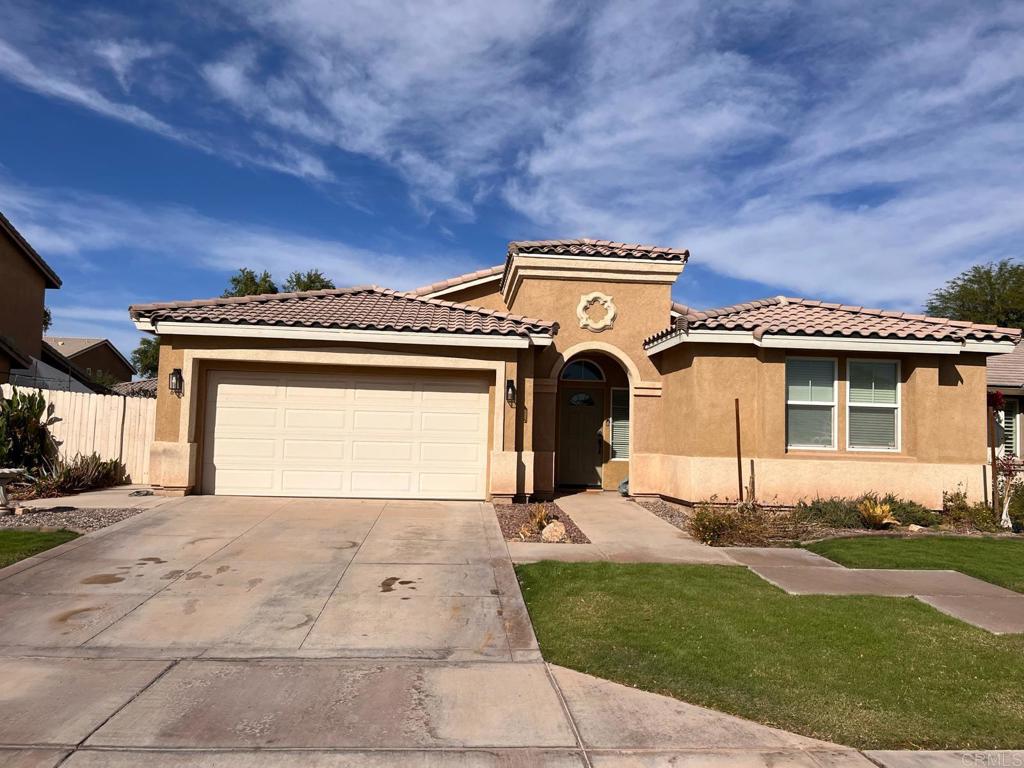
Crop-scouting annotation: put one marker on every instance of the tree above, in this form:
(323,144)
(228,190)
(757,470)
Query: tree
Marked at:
(313,280)
(248,283)
(146,357)
(47,319)
(985,293)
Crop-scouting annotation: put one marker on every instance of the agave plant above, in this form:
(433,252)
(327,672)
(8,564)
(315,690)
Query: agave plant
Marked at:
(876,514)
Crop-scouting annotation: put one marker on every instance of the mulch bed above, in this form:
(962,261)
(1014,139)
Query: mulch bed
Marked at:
(512,517)
(71,518)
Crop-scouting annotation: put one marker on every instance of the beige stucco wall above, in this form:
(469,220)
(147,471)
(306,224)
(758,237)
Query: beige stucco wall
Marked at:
(485,295)
(689,452)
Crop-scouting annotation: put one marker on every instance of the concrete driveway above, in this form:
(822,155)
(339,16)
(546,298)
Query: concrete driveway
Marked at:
(278,632)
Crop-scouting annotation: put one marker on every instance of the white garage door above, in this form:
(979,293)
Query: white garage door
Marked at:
(378,435)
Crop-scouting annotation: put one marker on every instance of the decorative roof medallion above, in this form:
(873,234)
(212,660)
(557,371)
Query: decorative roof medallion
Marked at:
(596,312)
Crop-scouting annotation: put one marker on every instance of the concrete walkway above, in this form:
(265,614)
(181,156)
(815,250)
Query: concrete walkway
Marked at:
(622,531)
(619,531)
(233,632)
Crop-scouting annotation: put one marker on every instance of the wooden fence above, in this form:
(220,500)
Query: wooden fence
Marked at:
(115,427)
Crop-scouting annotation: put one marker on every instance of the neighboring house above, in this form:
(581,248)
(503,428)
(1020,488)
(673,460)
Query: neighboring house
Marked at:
(100,359)
(1006,375)
(26,277)
(140,388)
(567,366)
(51,370)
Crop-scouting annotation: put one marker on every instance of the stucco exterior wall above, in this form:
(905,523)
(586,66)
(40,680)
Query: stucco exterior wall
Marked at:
(485,295)
(690,451)
(22,297)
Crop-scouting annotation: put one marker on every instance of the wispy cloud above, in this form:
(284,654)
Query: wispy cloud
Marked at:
(864,151)
(89,230)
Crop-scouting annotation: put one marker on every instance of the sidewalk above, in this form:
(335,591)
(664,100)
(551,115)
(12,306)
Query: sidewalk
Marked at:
(624,532)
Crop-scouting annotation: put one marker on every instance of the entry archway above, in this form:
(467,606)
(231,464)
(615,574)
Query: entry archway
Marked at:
(593,415)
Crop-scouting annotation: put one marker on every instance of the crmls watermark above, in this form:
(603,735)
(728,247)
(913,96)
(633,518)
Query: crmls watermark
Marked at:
(993,759)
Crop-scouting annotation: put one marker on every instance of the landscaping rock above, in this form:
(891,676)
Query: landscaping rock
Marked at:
(72,518)
(915,528)
(553,533)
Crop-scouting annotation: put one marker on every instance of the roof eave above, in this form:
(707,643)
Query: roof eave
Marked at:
(51,277)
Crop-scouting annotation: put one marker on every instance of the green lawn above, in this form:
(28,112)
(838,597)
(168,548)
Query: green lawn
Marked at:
(999,561)
(870,672)
(16,545)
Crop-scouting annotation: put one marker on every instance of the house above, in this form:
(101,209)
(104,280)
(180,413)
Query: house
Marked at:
(141,388)
(99,358)
(26,277)
(566,366)
(1006,375)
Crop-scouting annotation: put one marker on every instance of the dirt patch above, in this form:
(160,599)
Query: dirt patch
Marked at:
(512,518)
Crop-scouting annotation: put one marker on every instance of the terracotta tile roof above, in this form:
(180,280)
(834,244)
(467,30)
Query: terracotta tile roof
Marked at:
(1007,370)
(361,308)
(586,246)
(140,388)
(792,316)
(452,282)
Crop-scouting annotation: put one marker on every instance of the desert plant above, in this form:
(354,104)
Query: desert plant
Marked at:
(910,512)
(83,473)
(961,513)
(1016,507)
(875,513)
(834,512)
(26,418)
(537,521)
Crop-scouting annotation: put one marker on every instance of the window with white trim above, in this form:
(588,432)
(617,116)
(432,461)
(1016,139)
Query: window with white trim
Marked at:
(1008,419)
(619,431)
(810,402)
(873,405)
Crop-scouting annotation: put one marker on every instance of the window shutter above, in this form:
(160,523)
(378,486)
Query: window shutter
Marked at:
(620,424)
(873,383)
(872,427)
(810,381)
(1009,418)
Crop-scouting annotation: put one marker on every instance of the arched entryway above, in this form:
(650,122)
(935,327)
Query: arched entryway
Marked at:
(592,449)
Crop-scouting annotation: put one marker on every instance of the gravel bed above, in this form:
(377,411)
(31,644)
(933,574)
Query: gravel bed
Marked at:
(72,518)
(676,514)
(512,517)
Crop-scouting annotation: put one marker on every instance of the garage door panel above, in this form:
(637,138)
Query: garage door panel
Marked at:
(378,483)
(313,450)
(375,435)
(394,421)
(296,418)
(245,448)
(451,422)
(244,416)
(296,482)
(377,451)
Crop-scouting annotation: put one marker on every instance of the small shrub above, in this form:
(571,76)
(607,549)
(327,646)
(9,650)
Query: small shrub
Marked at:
(835,512)
(537,521)
(961,513)
(721,526)
(910,512)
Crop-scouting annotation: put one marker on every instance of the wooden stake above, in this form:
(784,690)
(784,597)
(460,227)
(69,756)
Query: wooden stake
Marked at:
(739,454)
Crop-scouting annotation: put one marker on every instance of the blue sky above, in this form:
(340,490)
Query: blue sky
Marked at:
(855,151)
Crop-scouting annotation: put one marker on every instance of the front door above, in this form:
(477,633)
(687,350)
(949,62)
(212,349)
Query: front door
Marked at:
(580,440)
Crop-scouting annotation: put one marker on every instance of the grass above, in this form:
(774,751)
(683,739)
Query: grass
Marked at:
(869,672)
(16,545)
(999,561)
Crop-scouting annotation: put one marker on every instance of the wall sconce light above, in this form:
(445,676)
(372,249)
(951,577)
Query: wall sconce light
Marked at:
(510,393)
(176,382)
